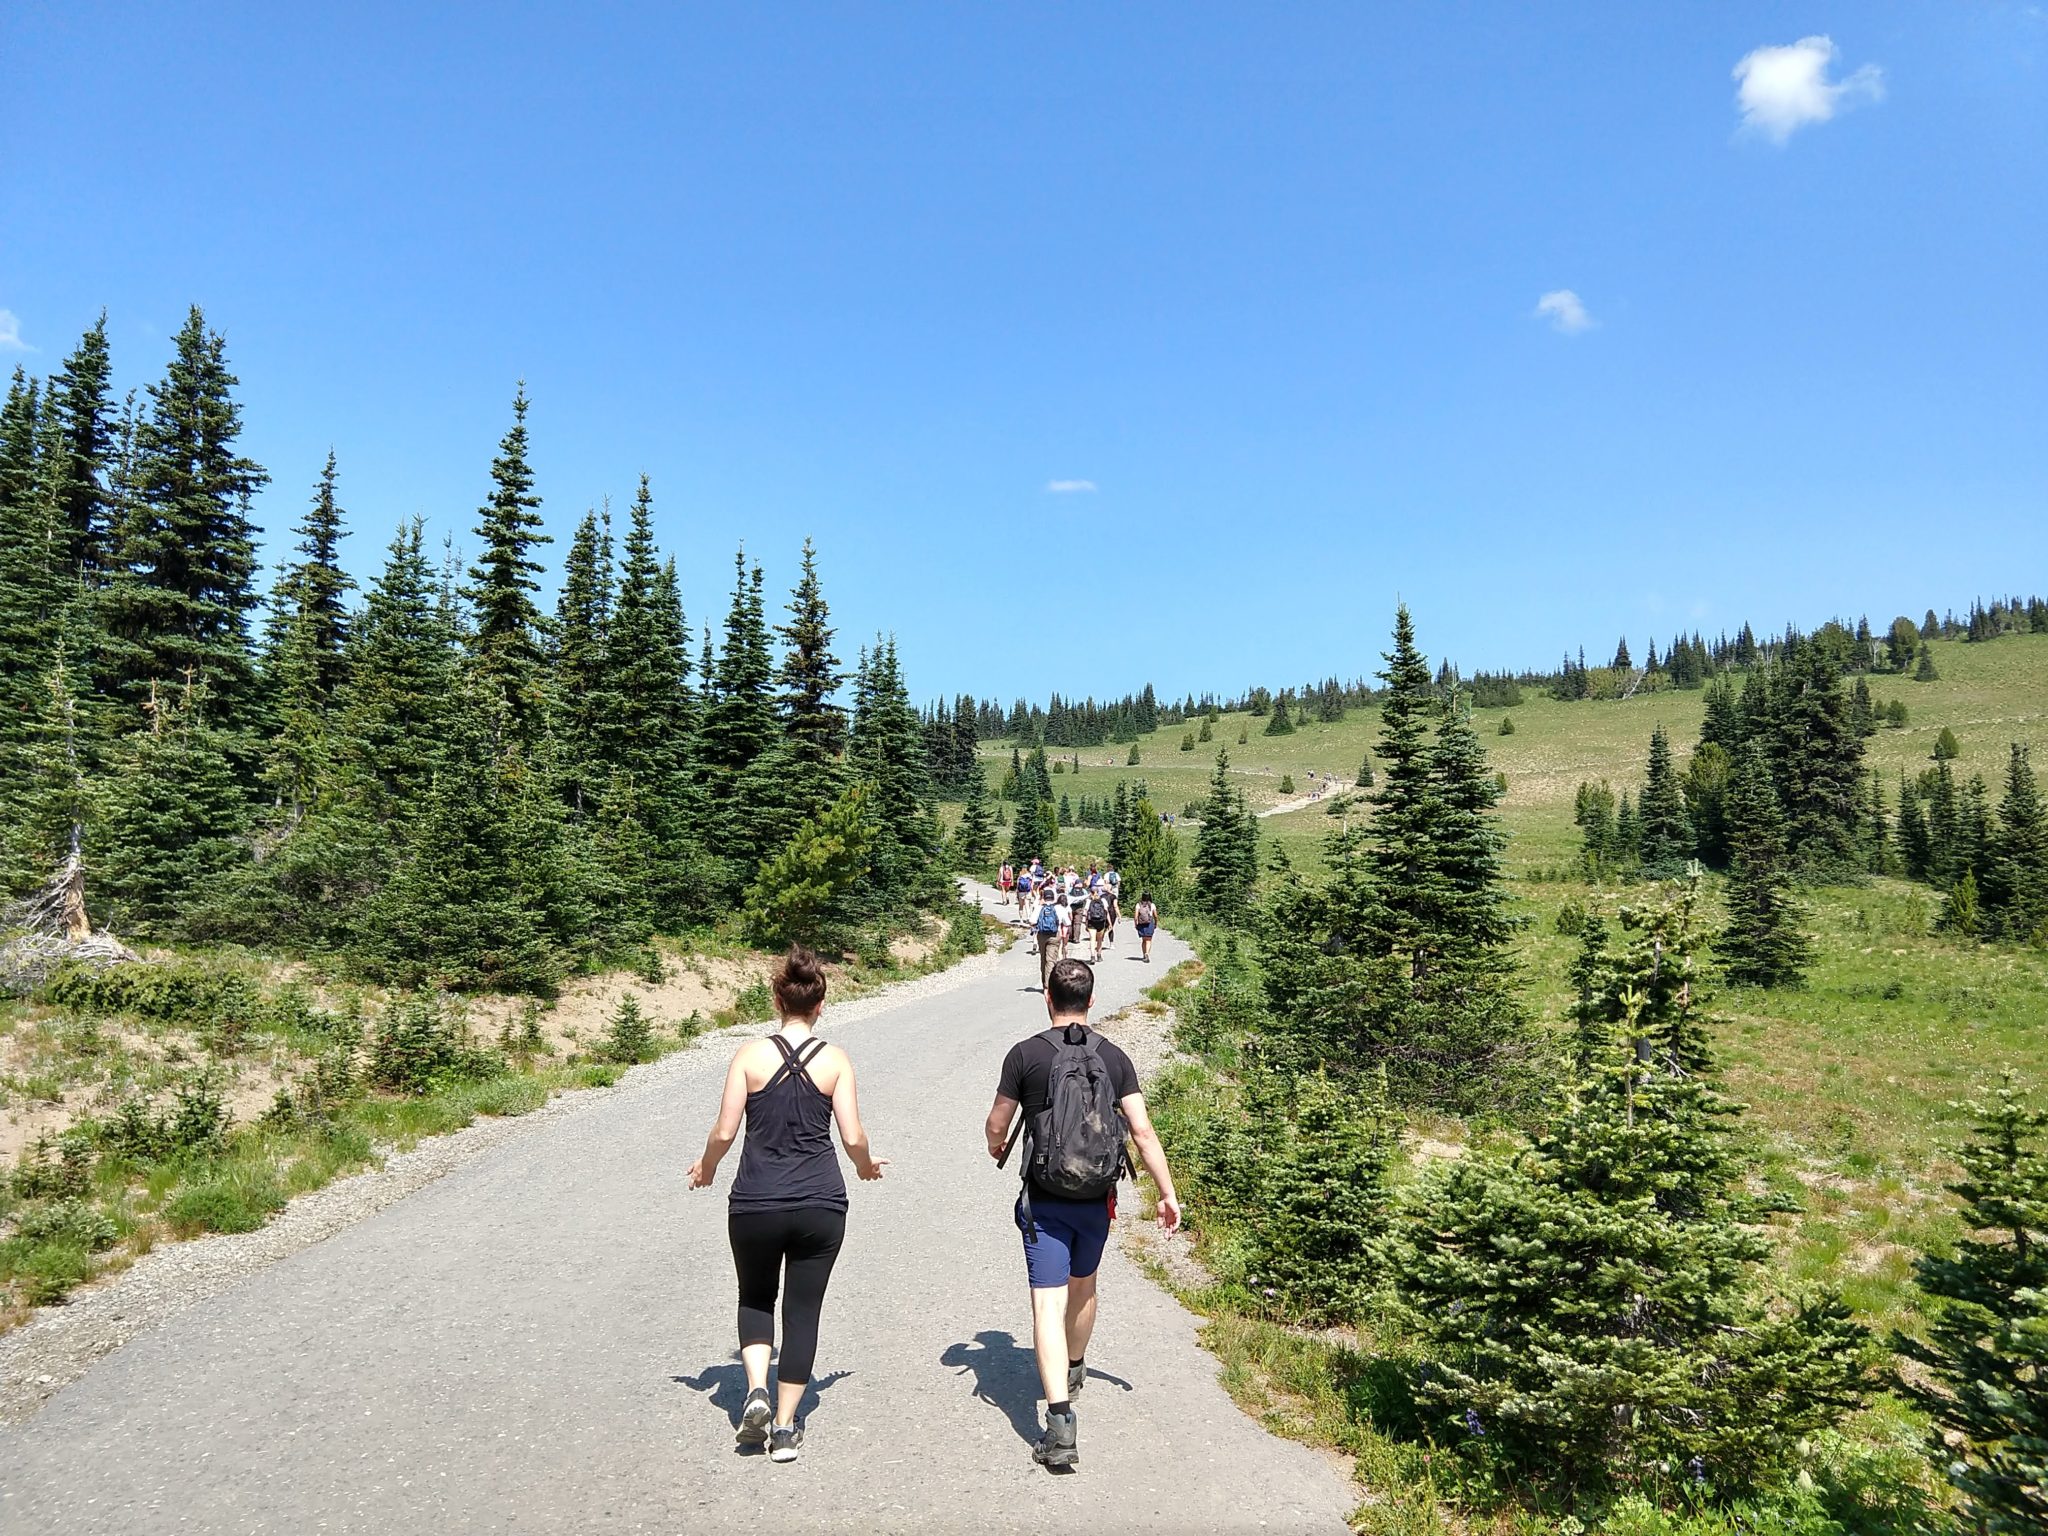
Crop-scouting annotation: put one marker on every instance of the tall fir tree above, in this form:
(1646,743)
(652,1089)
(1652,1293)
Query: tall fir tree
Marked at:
(508,642)
(1226,859)
(1666,837)
(2016,862)
(185,552)
(975,841)
(315,590)
(173,817)
(80,403)
(812,722)
(392,708)
(1762,945)
(584,706)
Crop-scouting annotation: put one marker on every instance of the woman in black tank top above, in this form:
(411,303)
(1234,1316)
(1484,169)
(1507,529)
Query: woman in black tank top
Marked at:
(787,1212)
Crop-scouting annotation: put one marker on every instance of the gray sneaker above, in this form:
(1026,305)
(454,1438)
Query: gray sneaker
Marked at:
(784,1441)
(754,1418)
(1058,1446)
(1077,1378)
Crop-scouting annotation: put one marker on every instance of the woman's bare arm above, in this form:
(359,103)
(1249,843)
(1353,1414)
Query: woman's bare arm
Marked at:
(852,1134)
(726,1129)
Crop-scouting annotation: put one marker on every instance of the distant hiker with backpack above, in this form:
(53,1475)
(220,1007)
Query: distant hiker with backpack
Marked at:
(1046,932)
(787,1211)
(1077,906)
(1006,879)
(1098,920)
(1113,883)
(1146,916)
(1079,1098)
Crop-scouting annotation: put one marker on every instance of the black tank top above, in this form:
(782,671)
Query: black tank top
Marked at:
(787,1162)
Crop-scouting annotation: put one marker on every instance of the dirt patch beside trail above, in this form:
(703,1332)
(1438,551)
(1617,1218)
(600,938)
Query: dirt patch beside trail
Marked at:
(698,984)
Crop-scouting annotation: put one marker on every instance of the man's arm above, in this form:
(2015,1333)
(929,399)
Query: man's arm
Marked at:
(1000,1116)
(1153,1156)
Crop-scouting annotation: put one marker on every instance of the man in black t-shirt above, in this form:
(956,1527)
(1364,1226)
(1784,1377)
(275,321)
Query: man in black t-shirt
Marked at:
(1064,1240)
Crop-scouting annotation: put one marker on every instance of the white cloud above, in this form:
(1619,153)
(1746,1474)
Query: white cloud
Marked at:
(10,333)
(1565,311)
(1780,90)
(1069,487)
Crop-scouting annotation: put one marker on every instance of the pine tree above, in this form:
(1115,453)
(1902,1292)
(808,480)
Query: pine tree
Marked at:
(393,703)
(316,589)
(814,725)
(35,573)
(81,409)
(1400,852)
(1986,1345)
(1152,867)
(1592,1307)
(975,843)
(584,705)
(1279,723)
(647,662)
(2016,867)
(1473,915)
(1324,1202)
(1666,836)
(1706,801)
(1621,661)
(509,628)
(185,560)
(1722,724)
(1226,861)
(173,815)
(739,723)
(1762,945)
(887,750)
(803,894)
(53,795)
(1924,672)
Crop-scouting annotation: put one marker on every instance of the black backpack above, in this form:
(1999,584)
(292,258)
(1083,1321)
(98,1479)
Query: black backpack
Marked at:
(1076,1144)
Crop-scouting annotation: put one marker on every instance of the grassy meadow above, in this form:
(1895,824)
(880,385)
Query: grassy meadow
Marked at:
(1851,1081)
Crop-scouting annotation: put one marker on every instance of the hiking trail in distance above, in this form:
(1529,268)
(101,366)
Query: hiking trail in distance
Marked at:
(543,1340)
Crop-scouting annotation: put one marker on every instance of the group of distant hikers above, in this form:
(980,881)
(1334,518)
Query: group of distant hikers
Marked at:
(1056,904)
(1068,1094)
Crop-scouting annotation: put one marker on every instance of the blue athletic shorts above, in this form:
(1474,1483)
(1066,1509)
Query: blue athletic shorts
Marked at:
(1070,1238)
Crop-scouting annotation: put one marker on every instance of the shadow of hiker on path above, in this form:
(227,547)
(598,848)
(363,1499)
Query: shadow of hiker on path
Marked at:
(1005,1377)
(726,1387)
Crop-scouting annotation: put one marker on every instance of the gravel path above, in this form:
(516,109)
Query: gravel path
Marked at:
(539,1336)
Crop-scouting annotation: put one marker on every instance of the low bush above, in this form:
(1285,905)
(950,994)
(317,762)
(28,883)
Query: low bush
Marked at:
(238,1199)
(70,1220)
(419,1046)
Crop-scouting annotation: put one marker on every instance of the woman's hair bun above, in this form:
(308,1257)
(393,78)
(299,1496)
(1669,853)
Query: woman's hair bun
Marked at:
(799,982)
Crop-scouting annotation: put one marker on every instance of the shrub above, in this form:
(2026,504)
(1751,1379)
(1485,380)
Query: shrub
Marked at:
(1187,741)
(55,1167)
(801,895)
(419,1048)
(1286,783)
(1507,725)
(631,1038)
(756,1003)
(233,1200)
(46,1272)
(70,1220)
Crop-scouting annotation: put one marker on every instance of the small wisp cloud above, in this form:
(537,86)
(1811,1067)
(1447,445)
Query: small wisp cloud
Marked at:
(10,333)
(1069,487)
(1780,90)
(1565,311)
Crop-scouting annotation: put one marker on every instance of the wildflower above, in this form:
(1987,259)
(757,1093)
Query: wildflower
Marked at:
(1472,1425)
(1698,1468)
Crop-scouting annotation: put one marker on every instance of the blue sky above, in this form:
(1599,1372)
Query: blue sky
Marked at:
(1270,280)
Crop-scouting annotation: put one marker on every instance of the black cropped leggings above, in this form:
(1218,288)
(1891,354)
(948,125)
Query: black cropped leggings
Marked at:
(763,1242)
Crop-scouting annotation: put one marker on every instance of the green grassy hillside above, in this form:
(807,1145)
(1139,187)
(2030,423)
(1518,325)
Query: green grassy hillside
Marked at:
(1850,1079)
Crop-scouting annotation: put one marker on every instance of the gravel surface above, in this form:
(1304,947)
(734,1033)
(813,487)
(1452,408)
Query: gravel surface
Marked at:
(541,1337)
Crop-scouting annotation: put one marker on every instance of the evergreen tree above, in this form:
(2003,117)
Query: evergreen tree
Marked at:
(1817,763)
(1924,672)
(53,796)
(1592,1307)
(316,589)
(1400,853)
(35,573)
(1762,945)
(1666,837)
(1226,860)
(1621,662)
(739,722)
(1152,867)
(584,705)
(1985,1353)
(1722,725)
(82,413)
(1628,834)
(647,662)
(1279,723)
(887,750)
(1706,800)
(394,700)
(509,627)
(975,843)
(802,895)
(1593,814)
(185,562)
(1468,843)
(173,816)
(814,725)
(2016,869)
(1325,1201)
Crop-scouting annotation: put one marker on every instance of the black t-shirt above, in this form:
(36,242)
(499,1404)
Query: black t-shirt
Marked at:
(1027,1071)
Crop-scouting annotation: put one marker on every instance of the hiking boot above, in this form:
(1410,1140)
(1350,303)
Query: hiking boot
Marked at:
(784,1441)
(1057,1447)
(1077,1378)
(754,1418)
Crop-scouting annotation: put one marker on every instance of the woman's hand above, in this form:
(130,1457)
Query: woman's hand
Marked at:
(871,1170)
(700,1176)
